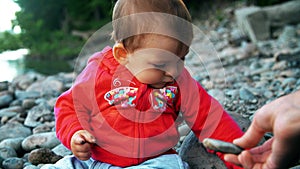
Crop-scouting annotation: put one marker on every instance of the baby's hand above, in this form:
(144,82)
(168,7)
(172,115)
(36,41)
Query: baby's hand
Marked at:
(81,144)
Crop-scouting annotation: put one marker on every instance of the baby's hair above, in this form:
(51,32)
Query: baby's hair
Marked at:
(135,19)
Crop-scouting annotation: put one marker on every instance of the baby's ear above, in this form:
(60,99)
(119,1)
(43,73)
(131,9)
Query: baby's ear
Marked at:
(120,53)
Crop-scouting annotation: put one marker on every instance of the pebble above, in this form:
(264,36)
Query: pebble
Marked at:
(5,99)
(247,95)
(221,146)
(43,156)
(40,140)
(14,130)
(36,116)
(7,152)
(61,150)
(13,163)
(14,143)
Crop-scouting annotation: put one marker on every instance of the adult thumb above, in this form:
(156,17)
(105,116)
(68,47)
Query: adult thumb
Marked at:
(251,137)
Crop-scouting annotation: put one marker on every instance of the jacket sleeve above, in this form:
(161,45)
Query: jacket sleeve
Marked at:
(67,122)
(72,109)
(205,115)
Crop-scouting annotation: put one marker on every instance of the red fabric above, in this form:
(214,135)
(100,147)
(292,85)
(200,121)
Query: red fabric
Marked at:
(132,128)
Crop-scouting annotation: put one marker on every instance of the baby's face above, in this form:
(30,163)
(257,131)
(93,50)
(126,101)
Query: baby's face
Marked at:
(158,62)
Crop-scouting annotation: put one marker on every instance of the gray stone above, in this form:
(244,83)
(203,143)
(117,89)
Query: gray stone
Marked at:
(284,14)
(5,99)
(289,33)
(13,130)
(289,81)
(48,87)
(7,114)
(36,116)
(254,23)
(257,22)
(16,109)
(3,86)
(51,102)
(21,95)
(288,55)
(298,82)
(217,94)
(221,146)
(237,37)
(14,143)
(195,154)
(15,103)
(7,152)
(30,166)
(28,103)
(268,94)
(245,94)
(232,93)
(43,156)
(41,140)
(23,81)
(13,163)
(61,150)
(47,127)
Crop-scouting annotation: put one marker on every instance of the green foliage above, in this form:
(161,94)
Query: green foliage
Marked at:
(10,41)
(47,25)
(56,46)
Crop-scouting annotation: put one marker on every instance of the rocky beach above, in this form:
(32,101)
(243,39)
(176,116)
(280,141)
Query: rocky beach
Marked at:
(243,75)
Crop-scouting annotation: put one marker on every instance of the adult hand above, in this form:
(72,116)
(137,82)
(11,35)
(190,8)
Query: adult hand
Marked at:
(282,117)
(81,143)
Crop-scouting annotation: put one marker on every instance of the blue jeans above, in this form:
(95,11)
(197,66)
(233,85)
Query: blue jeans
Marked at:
(169,161)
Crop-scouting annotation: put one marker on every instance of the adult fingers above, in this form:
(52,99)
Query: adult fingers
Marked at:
(246,160)
(251,137)
(266,146)
(232,159)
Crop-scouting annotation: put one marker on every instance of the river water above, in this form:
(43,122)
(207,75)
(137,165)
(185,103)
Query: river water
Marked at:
(15,63)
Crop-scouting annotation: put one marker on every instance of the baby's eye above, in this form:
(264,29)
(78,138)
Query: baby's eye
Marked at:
(159,65)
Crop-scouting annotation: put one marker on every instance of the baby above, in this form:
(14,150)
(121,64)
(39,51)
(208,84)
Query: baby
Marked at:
(124,109)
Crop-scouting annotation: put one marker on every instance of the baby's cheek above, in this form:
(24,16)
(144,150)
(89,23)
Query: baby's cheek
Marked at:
(150,76)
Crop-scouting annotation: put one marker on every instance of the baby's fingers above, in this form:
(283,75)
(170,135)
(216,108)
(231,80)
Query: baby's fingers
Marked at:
(83,155)
(88,137)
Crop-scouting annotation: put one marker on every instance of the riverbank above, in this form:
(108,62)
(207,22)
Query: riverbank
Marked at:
(245,77)
(15,63)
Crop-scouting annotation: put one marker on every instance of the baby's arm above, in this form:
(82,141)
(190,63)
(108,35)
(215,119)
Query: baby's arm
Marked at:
(206,116)
(81,143)
(67,118)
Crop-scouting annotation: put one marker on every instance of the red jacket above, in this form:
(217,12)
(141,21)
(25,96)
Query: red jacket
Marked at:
(131,121)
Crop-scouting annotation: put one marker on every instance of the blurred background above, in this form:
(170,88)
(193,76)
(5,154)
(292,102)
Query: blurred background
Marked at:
(43,35)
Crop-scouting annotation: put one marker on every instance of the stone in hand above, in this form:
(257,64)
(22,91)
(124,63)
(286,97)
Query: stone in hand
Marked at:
(221,146)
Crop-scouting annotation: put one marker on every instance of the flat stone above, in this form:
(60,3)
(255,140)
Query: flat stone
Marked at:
(13,130)
(221,146)
(40,140)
